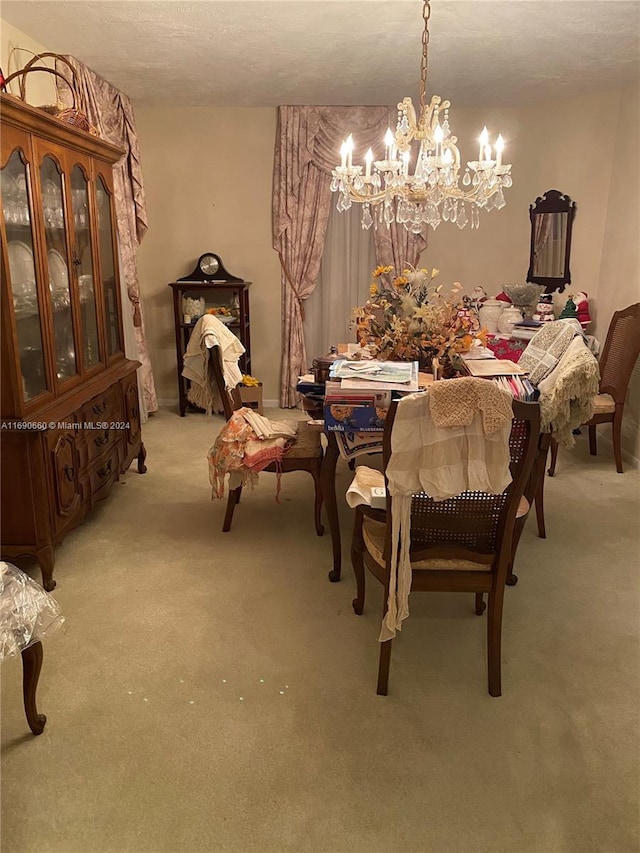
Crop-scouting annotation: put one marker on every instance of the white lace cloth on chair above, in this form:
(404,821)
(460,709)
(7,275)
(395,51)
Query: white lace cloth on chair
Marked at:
(207,333)
(442,462)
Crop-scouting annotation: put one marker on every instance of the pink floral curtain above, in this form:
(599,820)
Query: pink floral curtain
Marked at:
(397,247)
(307,148)
(110,111)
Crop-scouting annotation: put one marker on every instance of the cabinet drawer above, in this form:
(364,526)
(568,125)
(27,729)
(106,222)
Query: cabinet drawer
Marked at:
(104,408)
(103,473)
(99,441)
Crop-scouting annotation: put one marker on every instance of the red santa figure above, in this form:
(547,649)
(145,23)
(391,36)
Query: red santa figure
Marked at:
(582,307)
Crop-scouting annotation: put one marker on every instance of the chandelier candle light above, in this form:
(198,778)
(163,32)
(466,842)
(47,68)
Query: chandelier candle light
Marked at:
(432,193)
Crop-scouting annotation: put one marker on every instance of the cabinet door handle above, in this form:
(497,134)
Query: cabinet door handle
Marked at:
(102,440)
(69,472)
(105,470)
(99,408)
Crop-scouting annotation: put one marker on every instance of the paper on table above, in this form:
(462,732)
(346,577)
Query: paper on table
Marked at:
(495,367)
(478,352)
(377,371)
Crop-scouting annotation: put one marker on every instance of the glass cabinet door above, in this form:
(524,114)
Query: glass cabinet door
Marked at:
(84,266)
(17,215)
(53,211)
(107,267)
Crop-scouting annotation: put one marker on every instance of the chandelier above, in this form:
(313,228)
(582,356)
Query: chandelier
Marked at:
(424,179)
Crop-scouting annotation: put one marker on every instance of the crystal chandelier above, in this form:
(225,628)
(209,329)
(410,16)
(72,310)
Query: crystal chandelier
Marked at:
(424,179)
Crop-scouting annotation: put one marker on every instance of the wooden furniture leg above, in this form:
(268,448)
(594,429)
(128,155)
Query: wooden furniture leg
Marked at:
(539,502)
(317,508)
(357,561)
(554,457)
(384,663)
(494,639)
(142,455)
(616,428)
(31,666)
(534,493)
(328,483)
(232,500)
(47,558)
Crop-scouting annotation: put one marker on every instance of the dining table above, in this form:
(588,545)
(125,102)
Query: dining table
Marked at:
(351,445)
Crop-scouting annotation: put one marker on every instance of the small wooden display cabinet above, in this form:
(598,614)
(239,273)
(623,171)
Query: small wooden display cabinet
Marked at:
(209,286)
(69,396)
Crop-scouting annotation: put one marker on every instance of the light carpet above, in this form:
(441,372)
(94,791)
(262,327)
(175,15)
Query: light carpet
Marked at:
(214,692)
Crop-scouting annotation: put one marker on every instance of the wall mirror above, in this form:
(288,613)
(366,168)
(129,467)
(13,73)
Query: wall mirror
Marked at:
(551,223)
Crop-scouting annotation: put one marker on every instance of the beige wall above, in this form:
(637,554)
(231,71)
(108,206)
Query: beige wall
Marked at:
(197,202)
(41,87)
(620,267)
(551,147)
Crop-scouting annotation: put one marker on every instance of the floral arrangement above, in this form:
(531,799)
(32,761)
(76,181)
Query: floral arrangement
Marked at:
(409,318)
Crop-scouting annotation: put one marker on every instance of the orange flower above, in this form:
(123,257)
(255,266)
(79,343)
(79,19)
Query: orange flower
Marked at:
(378,271)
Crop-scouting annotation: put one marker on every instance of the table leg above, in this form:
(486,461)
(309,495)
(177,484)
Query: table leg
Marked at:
(328,485)
(31,665)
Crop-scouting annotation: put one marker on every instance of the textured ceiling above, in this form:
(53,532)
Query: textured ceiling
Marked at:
(264,52)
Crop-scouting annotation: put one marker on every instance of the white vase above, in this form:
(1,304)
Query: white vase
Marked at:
(195,306)
(490,313)
(509,317)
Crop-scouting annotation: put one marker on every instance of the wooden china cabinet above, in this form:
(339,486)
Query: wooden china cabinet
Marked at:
(69,397)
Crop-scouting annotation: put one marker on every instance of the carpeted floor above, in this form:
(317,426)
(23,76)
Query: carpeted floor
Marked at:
(216,693)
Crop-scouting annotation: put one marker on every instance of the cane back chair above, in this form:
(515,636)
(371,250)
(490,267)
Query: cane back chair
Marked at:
(462,544)
(620,353)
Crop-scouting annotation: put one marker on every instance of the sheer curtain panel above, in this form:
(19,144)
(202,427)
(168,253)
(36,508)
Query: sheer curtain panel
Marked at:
(345,274)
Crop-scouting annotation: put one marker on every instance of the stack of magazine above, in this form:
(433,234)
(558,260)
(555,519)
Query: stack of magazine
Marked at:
(383,375)
(358,394)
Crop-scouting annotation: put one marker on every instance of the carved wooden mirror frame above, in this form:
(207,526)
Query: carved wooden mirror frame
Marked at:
(552,202)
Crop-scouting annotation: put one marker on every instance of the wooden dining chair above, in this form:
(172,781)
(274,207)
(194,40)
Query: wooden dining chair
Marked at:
(462,544)
(304,454)
(620,353)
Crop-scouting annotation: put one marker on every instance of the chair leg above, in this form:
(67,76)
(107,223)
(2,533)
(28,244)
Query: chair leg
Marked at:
(593,448)
(232,500)
(317,507)
(494,640)
(554,457)
(616,428)
(31,666)
(383,668)
(357,561)
(480,605)
(539,502)
(385,652)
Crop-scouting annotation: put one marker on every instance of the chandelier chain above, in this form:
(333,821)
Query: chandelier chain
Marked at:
(426,14)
